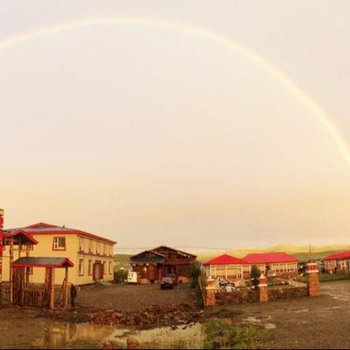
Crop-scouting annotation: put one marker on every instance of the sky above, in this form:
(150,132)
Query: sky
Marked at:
(143,125)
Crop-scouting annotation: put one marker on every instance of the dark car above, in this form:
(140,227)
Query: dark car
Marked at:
(168,281)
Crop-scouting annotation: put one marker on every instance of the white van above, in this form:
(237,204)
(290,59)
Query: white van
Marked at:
(132,277)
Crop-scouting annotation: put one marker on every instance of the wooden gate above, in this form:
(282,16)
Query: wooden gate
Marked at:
(26,294)
(97,271)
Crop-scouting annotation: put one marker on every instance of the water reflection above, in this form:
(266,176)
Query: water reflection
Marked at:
(85,335)
(71,334)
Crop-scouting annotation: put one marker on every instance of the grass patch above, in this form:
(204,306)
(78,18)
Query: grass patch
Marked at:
(219,334)
(327,277)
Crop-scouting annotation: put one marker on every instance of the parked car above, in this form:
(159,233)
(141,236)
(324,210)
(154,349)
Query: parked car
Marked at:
(173,276)
(168,282)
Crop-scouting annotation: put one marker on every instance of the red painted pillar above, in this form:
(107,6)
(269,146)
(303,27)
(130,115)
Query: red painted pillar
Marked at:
(313,279)
(263,289)
(1,239)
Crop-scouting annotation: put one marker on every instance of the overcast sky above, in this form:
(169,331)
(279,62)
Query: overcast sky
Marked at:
(152,134)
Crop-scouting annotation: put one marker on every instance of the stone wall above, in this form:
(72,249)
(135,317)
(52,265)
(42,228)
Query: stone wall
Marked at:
(251,296)
(287,292)
(243,295)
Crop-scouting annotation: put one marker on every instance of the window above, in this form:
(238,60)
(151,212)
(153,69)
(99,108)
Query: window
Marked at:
(90,245)
(81,267)
(81,244)
(104,268)
(104,249)
(59,243)
(97,247)
(29,270)
(110,268)
(90,267)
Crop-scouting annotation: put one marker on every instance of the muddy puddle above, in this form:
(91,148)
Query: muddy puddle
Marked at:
(84,335)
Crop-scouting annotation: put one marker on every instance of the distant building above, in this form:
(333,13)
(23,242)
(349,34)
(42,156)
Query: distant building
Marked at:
(152,265)
(338,262)
(92,255)
(274,264)
(228,267)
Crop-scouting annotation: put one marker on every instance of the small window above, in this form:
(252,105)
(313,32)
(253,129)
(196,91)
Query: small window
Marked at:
(81,244)
(97,247)
(104,249)
(81,267)
(90,267)
(90,245)
(110,268)
(29,270)
(59,243)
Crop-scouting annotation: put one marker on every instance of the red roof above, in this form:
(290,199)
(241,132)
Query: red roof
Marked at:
(42,262)
(225,260)
(267,258)
(47,229)
(342,255)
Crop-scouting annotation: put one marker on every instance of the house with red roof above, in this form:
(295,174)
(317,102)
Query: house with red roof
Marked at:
(91,255)
(228,267)
(337,262)
(274,264)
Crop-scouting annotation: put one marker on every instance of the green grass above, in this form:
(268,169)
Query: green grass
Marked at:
(222,335)
(326,277)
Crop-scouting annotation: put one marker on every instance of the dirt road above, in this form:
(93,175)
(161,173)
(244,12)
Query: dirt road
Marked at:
(133,297)
(321,322)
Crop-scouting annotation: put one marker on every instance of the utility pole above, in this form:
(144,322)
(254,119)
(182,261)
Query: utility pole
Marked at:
(309,252)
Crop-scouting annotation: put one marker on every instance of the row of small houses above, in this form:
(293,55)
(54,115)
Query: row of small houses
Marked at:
(152,265)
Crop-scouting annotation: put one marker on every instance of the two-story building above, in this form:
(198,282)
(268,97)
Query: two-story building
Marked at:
(92,255)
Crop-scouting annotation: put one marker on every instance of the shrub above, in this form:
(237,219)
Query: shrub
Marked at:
(121,276)
(219,334)
(254,275)
(195,273)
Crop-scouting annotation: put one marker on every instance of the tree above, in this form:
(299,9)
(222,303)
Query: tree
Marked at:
(195,272)
(254,275)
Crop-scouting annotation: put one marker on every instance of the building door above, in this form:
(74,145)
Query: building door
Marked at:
(97,273)
(152,273)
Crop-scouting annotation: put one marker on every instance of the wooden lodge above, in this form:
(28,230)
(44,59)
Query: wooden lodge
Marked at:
(152,265)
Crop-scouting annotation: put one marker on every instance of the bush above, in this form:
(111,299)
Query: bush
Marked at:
(222,335)
(254,275)
(121,276)
(195,273)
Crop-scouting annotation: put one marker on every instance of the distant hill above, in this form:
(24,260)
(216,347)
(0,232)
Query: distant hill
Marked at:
(121,260)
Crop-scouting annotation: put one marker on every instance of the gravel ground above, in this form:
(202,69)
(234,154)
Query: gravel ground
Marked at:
(132,298)
(303,323)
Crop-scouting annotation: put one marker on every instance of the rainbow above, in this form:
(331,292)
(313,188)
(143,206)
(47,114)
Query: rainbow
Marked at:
(320,114)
